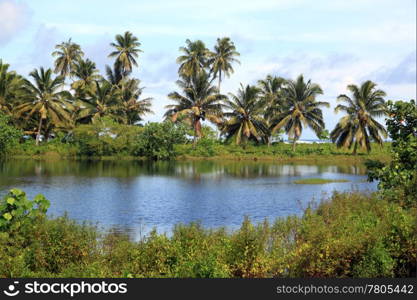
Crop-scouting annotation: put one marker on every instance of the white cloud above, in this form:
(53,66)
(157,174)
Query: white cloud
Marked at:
(14,17)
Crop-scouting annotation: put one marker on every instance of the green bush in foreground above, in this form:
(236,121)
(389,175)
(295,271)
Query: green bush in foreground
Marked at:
(349,235)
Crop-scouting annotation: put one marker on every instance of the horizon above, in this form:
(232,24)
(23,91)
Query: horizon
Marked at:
(332,43)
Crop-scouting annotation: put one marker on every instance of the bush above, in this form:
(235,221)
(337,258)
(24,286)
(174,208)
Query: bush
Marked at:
(9,135)
(398,179)
(105,138)
(157,140)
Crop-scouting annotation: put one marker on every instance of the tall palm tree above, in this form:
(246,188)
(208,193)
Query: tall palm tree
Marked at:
(300,109)
(199,100)
(272,96)
(194,58)
(67,54)
(222,58)
(359,126)
(132,107)
(86,73)
(104,101)
(45,101)
(245,116)
(10,88)
(126,52)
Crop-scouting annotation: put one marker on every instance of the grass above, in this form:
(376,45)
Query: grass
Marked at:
(318,181)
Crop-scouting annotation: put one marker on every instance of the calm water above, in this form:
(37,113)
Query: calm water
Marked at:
(135,196)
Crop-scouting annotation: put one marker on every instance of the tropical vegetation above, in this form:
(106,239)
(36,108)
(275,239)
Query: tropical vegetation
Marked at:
(46,107)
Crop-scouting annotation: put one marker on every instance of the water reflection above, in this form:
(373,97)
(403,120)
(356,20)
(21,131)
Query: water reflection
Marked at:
(135,196)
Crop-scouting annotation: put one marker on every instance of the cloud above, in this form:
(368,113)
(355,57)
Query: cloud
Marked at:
(14,16)
(402,73)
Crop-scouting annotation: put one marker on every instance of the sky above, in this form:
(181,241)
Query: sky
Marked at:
(332,42)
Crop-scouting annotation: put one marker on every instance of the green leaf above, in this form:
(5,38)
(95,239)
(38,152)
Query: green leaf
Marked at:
(7,216)
(11,201)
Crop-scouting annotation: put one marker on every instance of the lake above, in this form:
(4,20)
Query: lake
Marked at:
(135,196)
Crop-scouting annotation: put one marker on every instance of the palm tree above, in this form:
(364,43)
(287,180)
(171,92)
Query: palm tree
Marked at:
(104,101)
(300,109)
(67,54)
(86,73)
(272,96)
(194,58)
(132,107)
(44,100)
(222,58)
(245,116)
(199,100)
(115,75)
(359,125)
(10,88)
(126,53)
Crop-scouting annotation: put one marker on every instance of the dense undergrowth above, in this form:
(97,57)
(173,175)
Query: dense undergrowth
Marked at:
(348,235)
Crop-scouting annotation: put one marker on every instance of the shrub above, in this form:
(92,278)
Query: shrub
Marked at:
(9,135)
(105,138)
(157,140)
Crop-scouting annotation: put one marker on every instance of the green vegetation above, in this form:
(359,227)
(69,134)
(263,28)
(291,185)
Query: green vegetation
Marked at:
(359,126)
(9,135)
(350,235)
(318,181)
(398,179)
(65,119)
(347,235)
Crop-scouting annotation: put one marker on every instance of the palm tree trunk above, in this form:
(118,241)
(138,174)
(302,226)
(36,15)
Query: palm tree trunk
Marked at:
(355,148)
(197,131)
(38,134)
(294,142)
(220,79)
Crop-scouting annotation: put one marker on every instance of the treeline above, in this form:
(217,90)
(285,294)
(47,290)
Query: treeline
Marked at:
(74,94)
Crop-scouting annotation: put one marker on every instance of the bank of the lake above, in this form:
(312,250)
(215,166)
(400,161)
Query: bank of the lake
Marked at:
(279,152)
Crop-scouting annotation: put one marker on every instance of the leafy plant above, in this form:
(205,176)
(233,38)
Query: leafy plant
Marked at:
(398,179)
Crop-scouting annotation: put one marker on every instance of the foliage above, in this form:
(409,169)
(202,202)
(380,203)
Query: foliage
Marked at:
(9,135)
(359,126)
(398,180)
(349,235)
(221,59)
(245,116)
(17,211)
(300,109)
(199,100)
(105,138)
(157,140)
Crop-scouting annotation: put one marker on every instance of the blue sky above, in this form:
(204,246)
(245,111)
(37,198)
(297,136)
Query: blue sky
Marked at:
(332,42)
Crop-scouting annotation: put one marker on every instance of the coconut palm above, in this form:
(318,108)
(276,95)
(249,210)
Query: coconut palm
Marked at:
(199,100)
(132,108)
(67,54)
(300,109)
(359,126)
(194,58)
(44,100)
(86,73)
(126,53)
(245,116)
(10,88)
(222,59)
(271,95)
(104,101)
(116,74)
